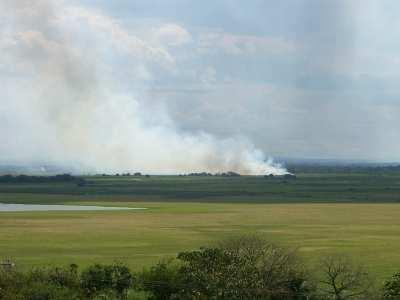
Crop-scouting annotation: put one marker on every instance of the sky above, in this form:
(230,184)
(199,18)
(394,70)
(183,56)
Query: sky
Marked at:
(294,79)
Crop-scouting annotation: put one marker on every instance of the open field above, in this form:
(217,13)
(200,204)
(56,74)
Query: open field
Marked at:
(334,186)
(356,214)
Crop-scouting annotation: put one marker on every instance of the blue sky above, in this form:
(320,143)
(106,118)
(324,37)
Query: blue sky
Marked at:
(298,78)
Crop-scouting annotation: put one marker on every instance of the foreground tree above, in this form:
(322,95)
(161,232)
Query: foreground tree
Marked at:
(40,284)
(243,268)
(343,280)
(391,289)
(162,280)
(106,280)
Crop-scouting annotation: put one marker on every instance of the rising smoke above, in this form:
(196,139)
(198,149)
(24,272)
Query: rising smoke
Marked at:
(74,96)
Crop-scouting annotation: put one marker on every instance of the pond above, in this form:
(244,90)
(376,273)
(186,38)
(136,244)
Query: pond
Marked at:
(45,207)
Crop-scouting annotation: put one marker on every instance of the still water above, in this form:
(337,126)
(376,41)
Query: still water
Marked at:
(44,207)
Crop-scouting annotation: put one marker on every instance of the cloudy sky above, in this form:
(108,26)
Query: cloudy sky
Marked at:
(296,78)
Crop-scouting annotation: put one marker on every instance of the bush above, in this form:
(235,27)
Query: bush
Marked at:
(109,281)
(161,280)
(34,285)
(100,280)
(58,276)
(122,279)
(45,291)
(391,289)
(10,283)
(243,268)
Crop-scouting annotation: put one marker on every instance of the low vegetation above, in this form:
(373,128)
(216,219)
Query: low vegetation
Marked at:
(40,179)
(245,268)
(330,185)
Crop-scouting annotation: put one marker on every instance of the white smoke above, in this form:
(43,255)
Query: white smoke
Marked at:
(73,96)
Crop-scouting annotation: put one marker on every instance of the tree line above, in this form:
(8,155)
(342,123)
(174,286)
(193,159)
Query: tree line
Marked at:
(243,268)
(40,179)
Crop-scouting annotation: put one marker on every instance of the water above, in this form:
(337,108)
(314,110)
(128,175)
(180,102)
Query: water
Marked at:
(45,207)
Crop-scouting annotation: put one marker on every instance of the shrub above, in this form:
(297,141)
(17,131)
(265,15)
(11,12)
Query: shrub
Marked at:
(33,285)
(243,268)
(45,291)
(59,276)
(106,279)
(161,280)
(10,283)
(391,289)
(122,279)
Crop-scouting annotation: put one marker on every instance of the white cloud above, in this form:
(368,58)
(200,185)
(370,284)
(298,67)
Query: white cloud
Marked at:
(236,44)
(172,35)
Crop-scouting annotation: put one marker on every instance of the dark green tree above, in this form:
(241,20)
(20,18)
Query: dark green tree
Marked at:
(162,280)
(101,280)
(243,268)
(391,289)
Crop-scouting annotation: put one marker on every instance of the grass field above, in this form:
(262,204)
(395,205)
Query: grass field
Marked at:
(356,214)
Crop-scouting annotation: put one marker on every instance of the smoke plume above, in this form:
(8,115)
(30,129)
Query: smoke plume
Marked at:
(74,96)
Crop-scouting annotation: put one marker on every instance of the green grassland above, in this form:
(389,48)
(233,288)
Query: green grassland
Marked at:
(308,187)
(356,213)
